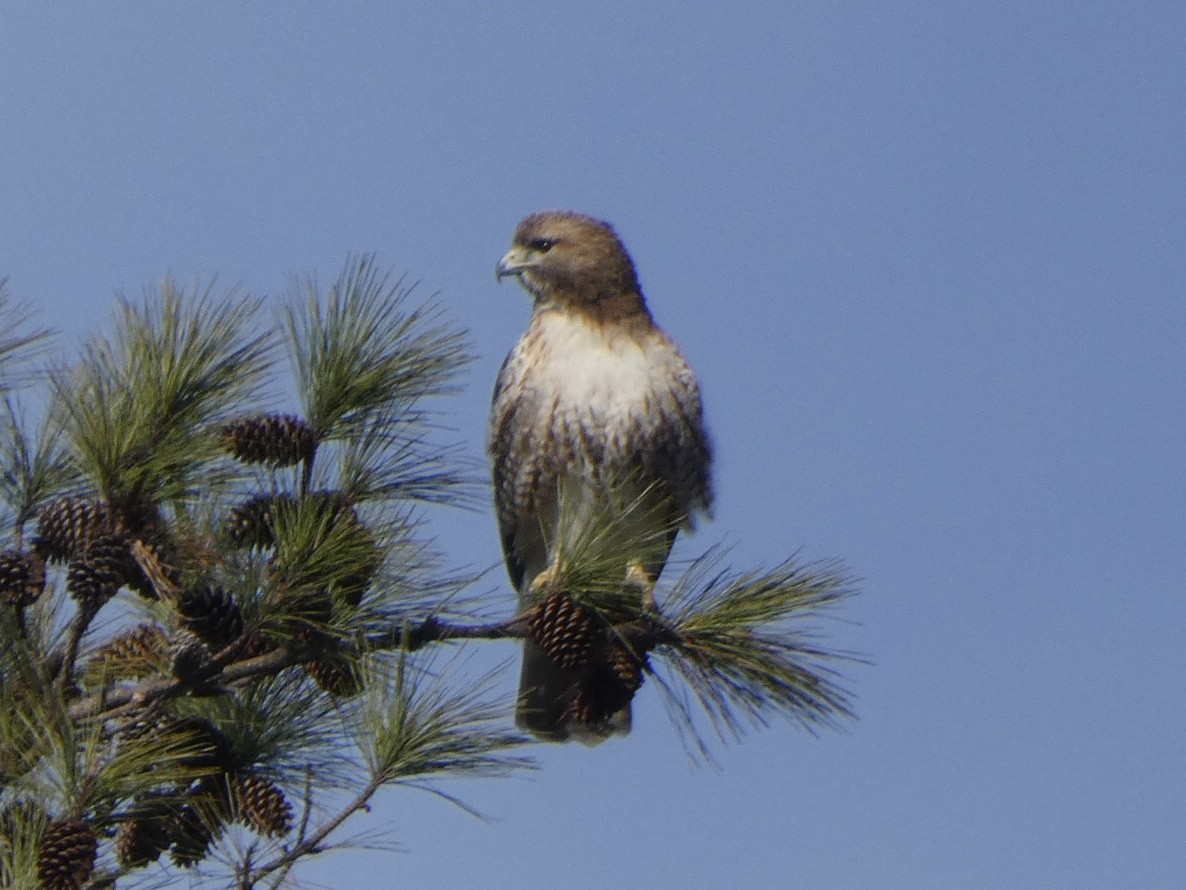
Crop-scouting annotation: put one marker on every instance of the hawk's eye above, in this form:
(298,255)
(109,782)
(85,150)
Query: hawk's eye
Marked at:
(543,245)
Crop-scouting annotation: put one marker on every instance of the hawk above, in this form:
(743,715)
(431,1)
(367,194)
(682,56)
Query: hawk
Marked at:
(597,443)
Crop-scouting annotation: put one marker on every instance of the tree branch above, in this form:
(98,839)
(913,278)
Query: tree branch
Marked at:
(226,671)
(641,636)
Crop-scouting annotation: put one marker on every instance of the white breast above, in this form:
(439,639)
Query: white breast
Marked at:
(605,376)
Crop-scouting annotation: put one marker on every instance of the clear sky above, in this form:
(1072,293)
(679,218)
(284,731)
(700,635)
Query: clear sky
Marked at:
(929,261)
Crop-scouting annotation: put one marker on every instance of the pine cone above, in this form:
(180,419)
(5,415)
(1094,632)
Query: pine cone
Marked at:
(139,652)
(201,819)
(192,835)
(628,667)
(334,674)
(564,629)
(142,839)
(66,857)
(68,525)
(22,578)
(249,524)
(256,643)
(607,688)
(189,656)
(94,577)
(261,804)
(212,613)
(331,666)
(278,440)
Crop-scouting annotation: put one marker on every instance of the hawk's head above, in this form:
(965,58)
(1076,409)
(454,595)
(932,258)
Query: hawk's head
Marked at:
(570,259)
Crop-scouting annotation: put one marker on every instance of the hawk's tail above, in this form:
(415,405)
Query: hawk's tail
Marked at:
(558,704)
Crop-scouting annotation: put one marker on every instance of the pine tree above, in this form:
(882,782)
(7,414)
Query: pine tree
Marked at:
(215,610)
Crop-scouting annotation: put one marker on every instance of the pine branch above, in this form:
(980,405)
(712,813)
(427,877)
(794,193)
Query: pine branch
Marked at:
(745,645)
(311,844)
(226,670)
(726,635)
(410,727)
(282,869)
(360,352)
(139,404)
(287,592)
(17,346)
(83,616)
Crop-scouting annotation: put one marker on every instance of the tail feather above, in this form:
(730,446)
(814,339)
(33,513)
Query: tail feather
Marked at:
(548,699)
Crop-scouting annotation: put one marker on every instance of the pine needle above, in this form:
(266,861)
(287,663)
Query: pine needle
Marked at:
(282,722)
(598,540)
(17,346)
(140,404)
(361,349)
(32,467)
(747,650)
(414,726)
(393,458)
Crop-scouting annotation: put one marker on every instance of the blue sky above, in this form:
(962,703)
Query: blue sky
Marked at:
(928,260)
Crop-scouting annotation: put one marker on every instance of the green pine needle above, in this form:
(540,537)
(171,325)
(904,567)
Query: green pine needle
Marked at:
(25,698)
(413,726)
(141,402)
(76,766)
(362,350)
(597,542)
(33,468)
(22,822)
(17,346)
(340,576)
(747,650)
(320,546)
(282,722)
(393,458)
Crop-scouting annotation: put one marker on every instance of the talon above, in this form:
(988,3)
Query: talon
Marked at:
(545,582)
(639,578)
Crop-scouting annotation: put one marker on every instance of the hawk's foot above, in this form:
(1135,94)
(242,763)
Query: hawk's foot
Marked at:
(638,578)
(544,583)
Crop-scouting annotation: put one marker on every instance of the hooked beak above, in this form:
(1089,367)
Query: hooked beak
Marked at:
(515,261)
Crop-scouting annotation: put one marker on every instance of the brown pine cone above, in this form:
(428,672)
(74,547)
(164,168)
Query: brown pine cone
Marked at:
(67,853)
(277,440)
(564,629)
(261,803)
(22,578)
(68,525)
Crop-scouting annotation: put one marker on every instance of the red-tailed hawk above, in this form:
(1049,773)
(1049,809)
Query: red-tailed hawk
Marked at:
(596,437)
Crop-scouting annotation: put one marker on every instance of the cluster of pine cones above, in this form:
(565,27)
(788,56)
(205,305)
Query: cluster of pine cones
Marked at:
(153,826)
(230,791)
(93,540)
(102,546)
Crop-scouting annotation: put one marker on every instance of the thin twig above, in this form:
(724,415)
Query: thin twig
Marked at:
(78,626)
(302,829)
(312,844)
(308,811)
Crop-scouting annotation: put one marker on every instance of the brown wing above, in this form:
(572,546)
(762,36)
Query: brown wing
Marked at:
(517,468)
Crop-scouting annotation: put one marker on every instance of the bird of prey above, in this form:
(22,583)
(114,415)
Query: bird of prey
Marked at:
(597,442)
